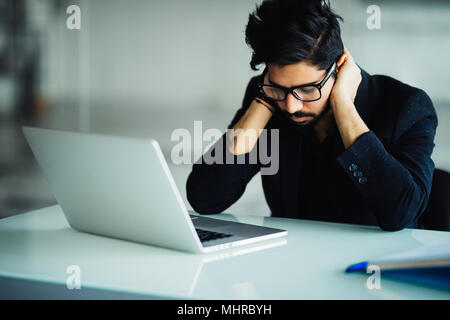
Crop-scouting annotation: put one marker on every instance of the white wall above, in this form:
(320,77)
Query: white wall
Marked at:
(412,44)
(138,50)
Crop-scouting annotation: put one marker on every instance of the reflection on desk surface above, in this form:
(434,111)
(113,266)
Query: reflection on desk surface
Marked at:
(309,264)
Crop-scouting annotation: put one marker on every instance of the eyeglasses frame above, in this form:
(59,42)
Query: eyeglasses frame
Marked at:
(319,86)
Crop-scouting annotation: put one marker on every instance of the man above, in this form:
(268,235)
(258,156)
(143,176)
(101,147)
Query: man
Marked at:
(353,147)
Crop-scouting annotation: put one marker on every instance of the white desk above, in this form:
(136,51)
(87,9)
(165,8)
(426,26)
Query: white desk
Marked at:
(40,245)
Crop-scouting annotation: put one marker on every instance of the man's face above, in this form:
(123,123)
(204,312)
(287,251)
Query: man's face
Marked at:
(299,112)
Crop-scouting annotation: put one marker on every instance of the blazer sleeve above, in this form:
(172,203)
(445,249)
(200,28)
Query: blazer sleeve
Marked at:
(212,188)
(396,184)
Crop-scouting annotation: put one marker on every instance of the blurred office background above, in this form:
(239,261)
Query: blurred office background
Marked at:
(147,67)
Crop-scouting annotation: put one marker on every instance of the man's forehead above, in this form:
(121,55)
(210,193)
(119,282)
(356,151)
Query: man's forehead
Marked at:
(294,74)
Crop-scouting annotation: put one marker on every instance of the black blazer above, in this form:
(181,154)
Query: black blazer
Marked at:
(394,160)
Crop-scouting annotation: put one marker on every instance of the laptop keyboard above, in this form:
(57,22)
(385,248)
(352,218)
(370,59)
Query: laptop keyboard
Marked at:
(206,235)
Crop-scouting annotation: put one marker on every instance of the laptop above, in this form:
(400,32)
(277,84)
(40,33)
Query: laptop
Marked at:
(121,187)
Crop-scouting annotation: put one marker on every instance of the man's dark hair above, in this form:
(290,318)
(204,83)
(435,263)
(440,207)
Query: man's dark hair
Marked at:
(286,32)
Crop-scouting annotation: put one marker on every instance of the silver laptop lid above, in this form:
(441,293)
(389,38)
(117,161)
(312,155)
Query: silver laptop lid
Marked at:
(115,186)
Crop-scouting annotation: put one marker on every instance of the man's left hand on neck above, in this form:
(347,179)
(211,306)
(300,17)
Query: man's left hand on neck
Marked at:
(342,97)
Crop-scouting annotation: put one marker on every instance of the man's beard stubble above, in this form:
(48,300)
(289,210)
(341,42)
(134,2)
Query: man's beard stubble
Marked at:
(311,123)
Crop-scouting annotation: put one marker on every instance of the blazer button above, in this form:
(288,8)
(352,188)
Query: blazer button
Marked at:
(362,180)
(352,167)
(357,174)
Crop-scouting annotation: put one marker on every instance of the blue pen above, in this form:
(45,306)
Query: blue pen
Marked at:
(401,265)
(357,267)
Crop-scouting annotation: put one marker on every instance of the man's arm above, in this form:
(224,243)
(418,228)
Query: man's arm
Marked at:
(342,98)
(397,183)
(212,188)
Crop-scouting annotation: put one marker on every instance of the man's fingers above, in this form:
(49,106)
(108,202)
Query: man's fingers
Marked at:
(348,54)
(341,60)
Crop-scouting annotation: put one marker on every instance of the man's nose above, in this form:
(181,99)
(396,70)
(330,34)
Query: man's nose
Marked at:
(293,104)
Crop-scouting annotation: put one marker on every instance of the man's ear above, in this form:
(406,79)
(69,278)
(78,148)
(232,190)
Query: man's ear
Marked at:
(340,61)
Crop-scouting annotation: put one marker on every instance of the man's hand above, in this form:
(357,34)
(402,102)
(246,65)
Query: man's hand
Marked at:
(249,127)
(342,98)
(347,81)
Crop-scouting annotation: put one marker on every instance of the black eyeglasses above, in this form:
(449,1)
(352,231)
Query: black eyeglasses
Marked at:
(306,93)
